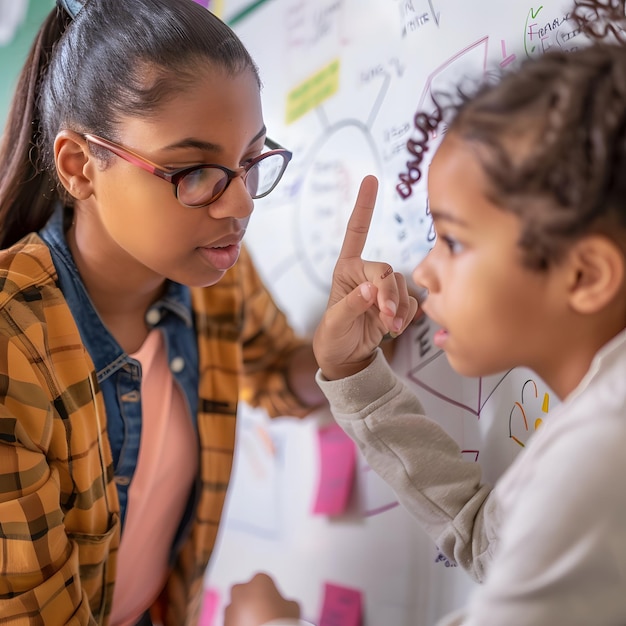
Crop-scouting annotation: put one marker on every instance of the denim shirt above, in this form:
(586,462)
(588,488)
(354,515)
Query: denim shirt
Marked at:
(119,375)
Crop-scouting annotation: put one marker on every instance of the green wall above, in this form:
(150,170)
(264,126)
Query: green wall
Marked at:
(12,55)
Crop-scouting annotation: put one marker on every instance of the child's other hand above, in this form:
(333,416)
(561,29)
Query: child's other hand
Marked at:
(367,299)
(258,601)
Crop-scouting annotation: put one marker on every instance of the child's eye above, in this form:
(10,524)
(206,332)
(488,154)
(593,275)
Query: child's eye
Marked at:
(453,245)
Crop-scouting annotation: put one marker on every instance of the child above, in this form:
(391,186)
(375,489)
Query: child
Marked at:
(131,317)
(528,193)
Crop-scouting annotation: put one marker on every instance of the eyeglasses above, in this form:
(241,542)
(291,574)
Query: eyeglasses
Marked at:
(200,185)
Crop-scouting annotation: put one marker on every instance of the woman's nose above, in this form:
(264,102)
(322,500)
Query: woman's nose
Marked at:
(236,201)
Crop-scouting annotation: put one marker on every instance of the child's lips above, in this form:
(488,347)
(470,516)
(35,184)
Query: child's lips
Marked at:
(440,338)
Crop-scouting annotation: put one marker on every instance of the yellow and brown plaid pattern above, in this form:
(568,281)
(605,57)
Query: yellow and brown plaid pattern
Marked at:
(59,526)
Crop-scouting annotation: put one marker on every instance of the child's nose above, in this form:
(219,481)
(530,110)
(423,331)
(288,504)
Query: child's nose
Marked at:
(424,275)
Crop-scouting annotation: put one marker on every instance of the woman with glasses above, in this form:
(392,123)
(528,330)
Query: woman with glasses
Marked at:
(131,317)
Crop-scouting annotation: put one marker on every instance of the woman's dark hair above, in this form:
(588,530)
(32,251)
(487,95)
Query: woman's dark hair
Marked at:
(116,58)
(551,136)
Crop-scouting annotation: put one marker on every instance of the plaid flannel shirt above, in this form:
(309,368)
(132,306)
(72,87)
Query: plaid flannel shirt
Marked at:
(59,509)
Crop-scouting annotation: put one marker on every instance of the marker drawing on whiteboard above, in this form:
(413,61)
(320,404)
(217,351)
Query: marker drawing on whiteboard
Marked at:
(436,15)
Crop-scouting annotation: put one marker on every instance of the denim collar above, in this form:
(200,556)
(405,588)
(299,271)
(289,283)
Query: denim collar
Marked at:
(107,354)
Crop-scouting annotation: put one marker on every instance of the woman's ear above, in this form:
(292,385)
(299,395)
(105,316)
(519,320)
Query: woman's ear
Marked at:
(71,155)
(598,270)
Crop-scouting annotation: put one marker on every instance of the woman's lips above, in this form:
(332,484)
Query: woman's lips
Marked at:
(221,257)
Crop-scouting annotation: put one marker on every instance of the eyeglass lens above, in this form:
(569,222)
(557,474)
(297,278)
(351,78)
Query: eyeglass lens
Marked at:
(204,184)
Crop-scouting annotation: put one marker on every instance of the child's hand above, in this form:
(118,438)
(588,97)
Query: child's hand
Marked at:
(256,602)
(367,299)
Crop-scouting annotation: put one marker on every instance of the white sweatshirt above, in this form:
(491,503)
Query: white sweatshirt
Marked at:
(549,541)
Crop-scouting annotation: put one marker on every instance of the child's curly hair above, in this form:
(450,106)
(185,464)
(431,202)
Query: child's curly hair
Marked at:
(551,136)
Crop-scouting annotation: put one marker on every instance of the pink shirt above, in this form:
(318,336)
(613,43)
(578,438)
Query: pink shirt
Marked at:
(166,468)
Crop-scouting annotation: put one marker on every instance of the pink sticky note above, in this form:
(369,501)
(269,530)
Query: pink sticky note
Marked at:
(337,454)
(342,606)
(210,604)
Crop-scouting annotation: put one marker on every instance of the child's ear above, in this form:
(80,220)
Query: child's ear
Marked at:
(598,269)
(71,155)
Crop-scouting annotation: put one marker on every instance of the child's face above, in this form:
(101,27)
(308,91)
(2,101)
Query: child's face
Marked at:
(137,220)
(494,312)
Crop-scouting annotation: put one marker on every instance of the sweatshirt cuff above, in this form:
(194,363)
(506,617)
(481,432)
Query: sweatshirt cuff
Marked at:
(354,393)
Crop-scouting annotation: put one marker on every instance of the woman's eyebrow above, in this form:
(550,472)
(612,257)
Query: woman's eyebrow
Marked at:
(191,142)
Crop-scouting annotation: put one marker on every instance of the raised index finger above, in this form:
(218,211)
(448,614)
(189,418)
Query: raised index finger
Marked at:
(360,219)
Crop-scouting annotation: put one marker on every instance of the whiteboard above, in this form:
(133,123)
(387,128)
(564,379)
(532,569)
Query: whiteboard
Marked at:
(342,81)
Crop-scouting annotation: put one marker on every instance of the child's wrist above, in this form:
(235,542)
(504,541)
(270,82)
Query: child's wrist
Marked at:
(345,370)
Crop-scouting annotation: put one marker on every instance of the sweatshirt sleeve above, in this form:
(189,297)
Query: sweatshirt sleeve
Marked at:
(419,460)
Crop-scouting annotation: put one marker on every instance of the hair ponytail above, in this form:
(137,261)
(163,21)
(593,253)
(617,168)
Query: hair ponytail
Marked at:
(27,190)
